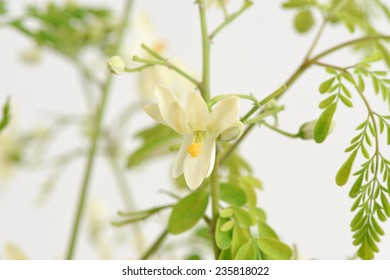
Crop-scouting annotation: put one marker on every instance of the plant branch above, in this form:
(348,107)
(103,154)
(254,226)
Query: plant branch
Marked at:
(247,4)
(155,245)
(95,137)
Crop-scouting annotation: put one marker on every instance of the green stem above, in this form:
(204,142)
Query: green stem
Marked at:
(276,129)
(205,85)
(247,4)
(263,115)
(128,201)
(155,245)
(166,63)
(94,139)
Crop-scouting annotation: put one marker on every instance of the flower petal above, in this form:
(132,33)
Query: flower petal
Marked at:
(171,111)
(154,112)
(197,169)
(177,169)
(224,115)
(197,110)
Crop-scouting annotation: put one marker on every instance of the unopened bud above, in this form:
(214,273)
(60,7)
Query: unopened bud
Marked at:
(306,130)
(232,133)
(116,65)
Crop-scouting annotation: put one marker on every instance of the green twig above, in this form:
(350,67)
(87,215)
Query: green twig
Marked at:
(155,245)
(247,4)
(95,137)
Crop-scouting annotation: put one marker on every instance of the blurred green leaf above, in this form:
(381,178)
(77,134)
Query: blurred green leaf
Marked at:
(223,239)
(304,21)
(239,237)
(188,211)
(274,249)
(247,251)
(232,194)
(265,230)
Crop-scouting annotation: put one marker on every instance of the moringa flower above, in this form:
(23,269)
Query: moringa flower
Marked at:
(200,128)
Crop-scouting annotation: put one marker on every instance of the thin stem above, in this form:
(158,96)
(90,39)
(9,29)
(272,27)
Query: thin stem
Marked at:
(276,129)
(264,114)
(247,4)
(169,65)
(215,196)
(316,40)
(349,43)
(95,137)
(128,201)
(155,245)
(205,85)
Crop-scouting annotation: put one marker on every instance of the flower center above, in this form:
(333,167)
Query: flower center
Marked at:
(195,148)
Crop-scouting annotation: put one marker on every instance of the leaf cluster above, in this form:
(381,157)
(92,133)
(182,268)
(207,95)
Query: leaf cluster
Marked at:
(336,91)
(68,28)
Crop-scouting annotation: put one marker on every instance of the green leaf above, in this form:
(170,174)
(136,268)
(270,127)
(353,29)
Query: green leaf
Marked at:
(243,217)
(355,190)
(345,170)
(247,251)
(232,194)
(227,226)
(266,231)
(274,249)
(323,124)
(6,116)
(240,237)
(365,252)
(188,211)
(298,3)
(346,101)
(156,141)
(223,239)
(225,255)
(326,85)
(304,21)
(327,101)
(251,181)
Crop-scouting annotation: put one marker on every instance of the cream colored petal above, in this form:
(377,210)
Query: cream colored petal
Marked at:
(171,111)
(177,169)
(225,113)
(13,252)
(178,118)
(197,169)
(154,112)
(197,110)
(212,160)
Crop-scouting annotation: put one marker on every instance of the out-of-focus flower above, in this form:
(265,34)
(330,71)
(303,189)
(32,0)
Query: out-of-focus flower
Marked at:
(199,127)
(10,153)
(149,78)
(116,65)
(306,131)
(13,252)
(32,55)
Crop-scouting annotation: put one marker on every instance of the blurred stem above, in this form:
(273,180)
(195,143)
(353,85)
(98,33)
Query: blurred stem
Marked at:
(285,133)
(205,85)
(105,88)
(155,245)
(128,201)
(229,18)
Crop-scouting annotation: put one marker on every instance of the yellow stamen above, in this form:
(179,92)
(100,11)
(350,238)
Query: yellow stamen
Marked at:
(195,149)
(160,46)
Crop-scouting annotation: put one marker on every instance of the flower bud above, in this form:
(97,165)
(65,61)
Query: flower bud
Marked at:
(232,133)
(306,131)
(116,65)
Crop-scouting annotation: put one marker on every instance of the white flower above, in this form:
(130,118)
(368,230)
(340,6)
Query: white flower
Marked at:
(200,128)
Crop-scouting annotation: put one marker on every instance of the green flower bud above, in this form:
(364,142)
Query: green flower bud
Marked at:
(116,65)
(306,131)
(232,133)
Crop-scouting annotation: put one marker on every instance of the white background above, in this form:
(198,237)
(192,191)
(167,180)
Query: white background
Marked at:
(255,54)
